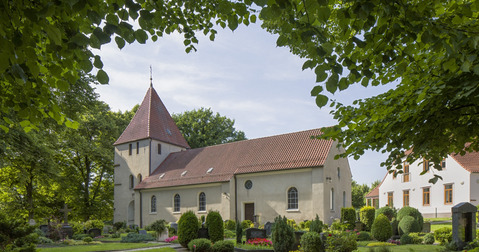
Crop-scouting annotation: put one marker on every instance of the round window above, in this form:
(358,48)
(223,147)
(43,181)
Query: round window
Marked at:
(248,184)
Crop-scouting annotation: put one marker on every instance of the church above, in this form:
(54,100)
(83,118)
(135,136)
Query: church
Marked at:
(158,176)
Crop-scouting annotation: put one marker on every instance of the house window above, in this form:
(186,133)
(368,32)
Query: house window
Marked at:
(443,164)
(202,202)
(406,172)
(159,149)
(448,194)
(425,165)
(130,149)
(137,147)
(331,199)
(426,196)
(292,198)
(153,204)
(344,199)
(132,181)
(405,198)
(339,173)
(376,203)
(368,202)
(176,203)
(140,178)
(390,199)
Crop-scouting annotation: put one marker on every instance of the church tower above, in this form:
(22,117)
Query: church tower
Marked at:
(146,142)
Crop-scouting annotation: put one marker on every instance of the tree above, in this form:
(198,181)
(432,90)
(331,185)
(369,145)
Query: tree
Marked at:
(45,45)
(428,47)
(357,193)
(202,128)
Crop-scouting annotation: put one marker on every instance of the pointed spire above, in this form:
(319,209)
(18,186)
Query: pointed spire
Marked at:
(151,78)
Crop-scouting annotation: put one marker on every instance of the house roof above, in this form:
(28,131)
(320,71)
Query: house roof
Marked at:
(374,193)
(152,120)
(470,161)
(281,152)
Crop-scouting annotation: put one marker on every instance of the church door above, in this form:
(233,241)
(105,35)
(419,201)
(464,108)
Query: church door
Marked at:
(131,213)
(249,211)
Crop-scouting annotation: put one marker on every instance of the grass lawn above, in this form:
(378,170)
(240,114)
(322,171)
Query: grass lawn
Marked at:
(101,247)
(438,226)
(438,219)
(415,248)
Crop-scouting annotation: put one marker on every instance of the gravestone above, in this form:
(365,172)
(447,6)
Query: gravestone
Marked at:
(44,229)
(252,233)
(95,232)
(32,222)
(297,237)
(174,225)
(268,226)
(203,233)
(142,232)
(67,230)
(463,223)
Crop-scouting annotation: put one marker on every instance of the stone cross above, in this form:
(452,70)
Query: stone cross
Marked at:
(65,211)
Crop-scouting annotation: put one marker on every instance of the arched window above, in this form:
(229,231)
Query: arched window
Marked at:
(292,198)
(176,203)
(344,198)
(153,204)
(202,202)
(331,199)
(140,178)
(132,181)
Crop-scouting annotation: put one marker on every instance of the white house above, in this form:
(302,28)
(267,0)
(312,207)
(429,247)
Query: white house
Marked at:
(158,176)
(460,183)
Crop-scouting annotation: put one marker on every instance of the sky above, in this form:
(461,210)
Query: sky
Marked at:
(241,75)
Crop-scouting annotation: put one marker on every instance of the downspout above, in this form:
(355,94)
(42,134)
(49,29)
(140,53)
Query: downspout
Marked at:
(141,210)
(236,200)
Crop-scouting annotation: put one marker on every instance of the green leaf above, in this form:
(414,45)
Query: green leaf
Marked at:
(80,39)
(97,62)
(365,81)
(54,34)
(321,100)
(252,18)
(282,41)
(260,3)
(308,64)
(476,69)
(120,42)
(323,13)
(466,66)
(102,77)
(332,83)
(62,85)
(71,124)
(343,84)
(5,129)
(316,90)
(102,37)
(141,36)
(233,22)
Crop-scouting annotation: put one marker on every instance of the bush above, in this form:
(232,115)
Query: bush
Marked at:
(239,233)
(79,237)
(363,236)
(381,228)
(135,238)
(159,226)
(366,216)
(282,235)
(87,239)
(246,224)
(78,227)
(187,228)
(408,225)
(119,225)
(311,242)
(380,244)
(44,240)
(171,231)
(223,246)
(395,226)
(115,235)
(428,238)
(16,234)
(406,239)
(443,235)
(199,245)
(229,234)
(338,226)
(413,212)
(417,238)
(343,242)
(387,211)
(94,224)
(305,224)
(316,225)
(230,225)
(348,217)
(214,223)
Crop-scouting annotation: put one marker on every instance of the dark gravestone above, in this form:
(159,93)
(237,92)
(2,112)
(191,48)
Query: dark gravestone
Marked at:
(67,231)
(268,226)
(174,225)
(203,233)
(252,233)
(44,229)
(143,232)
(297,236)
(94,232)
(463,223)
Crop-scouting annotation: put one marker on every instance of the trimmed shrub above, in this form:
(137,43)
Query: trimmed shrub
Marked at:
(395,226)
(229,234)
(417,238)
(239,233)
(171,231)
(78,227)
(428,238)
(443,235)
(87,239)
(135,238)
(408,225)
(311,242)
(342,242)
(159,226)
(223,246)
(406,239)
(363,236)
(119,225)
(413,212)
(214,223)
(366,216)
(387,211)
(246,224)
(305,224)
(381,228)
(199,245)
(292,223)
(348,217)
(316,225)
(94,224)
(44,240)
(230,225)
(380,244)
(282,235)
(187,228)
(80,237)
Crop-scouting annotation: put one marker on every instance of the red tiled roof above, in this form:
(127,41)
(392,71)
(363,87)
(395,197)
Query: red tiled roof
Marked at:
(281,152)
(374,193)
(470,161)
(152,120)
